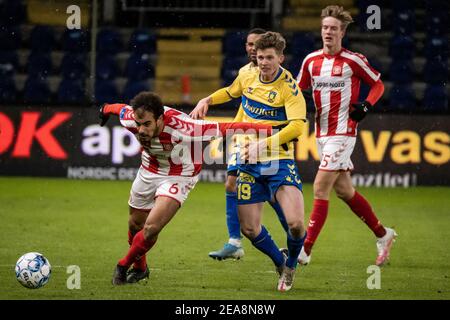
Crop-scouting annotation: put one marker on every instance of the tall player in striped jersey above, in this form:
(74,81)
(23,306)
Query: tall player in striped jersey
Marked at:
(335,73)
(233,248)
(269,96)
(171,144)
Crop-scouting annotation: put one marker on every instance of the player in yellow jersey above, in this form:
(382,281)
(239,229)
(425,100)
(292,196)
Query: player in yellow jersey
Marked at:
(269,96)
(233,248)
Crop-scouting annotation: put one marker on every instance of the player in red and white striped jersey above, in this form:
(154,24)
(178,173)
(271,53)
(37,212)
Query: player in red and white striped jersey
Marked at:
(171,160)
(334,75)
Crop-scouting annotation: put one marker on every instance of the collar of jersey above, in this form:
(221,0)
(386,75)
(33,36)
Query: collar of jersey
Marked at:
(280,70)
(331,56)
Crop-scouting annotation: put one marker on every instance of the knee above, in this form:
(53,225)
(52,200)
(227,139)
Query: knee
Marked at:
(297,229)
(230,185)
(134,226)
(344,193)
(321,191)
(249,232)
(151,231)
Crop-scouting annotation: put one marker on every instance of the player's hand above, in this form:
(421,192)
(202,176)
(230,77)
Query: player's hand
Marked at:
(253,150)
(102,116)
(200,109)
(360,110)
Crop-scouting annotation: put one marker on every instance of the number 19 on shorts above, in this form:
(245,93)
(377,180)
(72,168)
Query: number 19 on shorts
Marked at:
(244,191)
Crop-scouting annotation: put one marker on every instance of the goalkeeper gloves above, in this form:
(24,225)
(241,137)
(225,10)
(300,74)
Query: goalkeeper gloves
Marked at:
(102,116)
(360,110)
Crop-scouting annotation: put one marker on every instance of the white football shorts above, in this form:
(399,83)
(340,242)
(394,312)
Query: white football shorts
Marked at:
(147,186)
(335,153)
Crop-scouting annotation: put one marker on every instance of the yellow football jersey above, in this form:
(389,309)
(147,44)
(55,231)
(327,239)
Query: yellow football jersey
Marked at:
(274,103)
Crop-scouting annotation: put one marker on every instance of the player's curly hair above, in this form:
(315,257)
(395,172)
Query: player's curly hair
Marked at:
(149,101)
(271,39)
(339,13)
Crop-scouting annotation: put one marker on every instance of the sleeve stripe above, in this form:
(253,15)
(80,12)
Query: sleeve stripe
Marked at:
(363,65)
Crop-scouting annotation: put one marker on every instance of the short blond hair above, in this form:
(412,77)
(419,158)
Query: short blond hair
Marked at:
(339,13)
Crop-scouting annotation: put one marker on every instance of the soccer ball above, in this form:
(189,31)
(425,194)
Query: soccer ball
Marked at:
(33,270)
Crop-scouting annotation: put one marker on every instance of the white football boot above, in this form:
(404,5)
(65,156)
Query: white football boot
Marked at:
(303,259)
(384,245)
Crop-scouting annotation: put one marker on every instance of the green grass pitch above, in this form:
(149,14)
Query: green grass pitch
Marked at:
(84,223)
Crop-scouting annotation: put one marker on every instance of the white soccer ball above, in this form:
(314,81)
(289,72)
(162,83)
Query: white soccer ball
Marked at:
(33,270)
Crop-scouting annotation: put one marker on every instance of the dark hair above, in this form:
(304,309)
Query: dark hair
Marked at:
(256,31)
(148,101)
(271,40)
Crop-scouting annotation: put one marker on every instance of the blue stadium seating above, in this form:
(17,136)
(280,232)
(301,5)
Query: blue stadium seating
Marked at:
(71,91)
(404,22)
(228,76)
(231,66)
(302,44)
(12,12)
(142,41)
(433,6)
(402,98)
(436,46)
(437,23)
(105,91)
(9,63)
(75,40)
(36,91)
(234,43)
(39,64)
(109,42)
(401,71)
(10,38)
(106,67)
(436,99)
(42,38)
(138,67)
(402,47)
(132,88)
(401,5)
(8,91)
(436,71)
(73,65)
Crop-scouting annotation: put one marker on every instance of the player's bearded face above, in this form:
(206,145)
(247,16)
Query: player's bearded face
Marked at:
(148,126)
(250,46)
(332,32)
(269,62)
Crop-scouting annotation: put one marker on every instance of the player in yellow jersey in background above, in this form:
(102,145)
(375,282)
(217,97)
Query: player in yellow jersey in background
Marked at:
(269,96)
(233,248)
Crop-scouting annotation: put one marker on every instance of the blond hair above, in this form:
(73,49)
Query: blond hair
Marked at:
(271,40)
(339,13)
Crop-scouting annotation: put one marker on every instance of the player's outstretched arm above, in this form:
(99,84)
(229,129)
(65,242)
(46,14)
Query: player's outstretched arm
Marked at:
(107,109)
(201,108)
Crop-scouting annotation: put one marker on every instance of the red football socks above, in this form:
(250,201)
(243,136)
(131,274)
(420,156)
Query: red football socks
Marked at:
(138,249)
(362,209)
(316,222)
(140,264)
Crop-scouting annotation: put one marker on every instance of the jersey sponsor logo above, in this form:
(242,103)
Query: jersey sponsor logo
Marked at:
(332,85)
